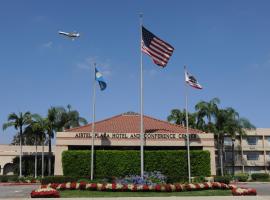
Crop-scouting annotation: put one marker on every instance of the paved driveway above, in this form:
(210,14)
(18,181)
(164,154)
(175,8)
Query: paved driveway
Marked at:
(16,191)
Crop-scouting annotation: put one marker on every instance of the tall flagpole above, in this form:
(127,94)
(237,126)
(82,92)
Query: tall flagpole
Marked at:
(93,122)
(187,131)
(142,129)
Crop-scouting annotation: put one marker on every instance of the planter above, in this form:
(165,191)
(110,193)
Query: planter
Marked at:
(45,193)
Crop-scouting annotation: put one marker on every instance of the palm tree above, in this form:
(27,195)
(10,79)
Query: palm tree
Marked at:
(206,110)
(18,122)
(53,120)
(39,126)
(70,118)
(58,118)
(219,133)
(232,128)
(179,117)
(236,126)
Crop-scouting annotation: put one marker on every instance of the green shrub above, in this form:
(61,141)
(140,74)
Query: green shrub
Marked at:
(3,179)
(86,180)
(223,179)
(65,179)
(118,163)
(22,179)
(198,179)
(242,177)
(260,176)
(28,165)
(58,179)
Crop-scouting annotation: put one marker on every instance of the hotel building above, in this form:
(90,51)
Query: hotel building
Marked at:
(252,152)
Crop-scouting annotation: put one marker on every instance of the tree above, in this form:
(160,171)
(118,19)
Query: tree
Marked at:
(209,111)
(232,128)
(70,118)
(18,122)
(210,118)
(39,126)
(53,120)
(179,117)
(58,119)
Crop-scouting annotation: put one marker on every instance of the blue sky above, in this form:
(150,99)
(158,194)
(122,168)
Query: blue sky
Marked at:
(225,44)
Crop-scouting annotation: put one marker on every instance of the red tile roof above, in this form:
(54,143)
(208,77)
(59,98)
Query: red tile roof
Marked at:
(130,123)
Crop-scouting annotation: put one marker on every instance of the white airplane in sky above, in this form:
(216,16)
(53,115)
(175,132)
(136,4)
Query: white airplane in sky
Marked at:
(72,35)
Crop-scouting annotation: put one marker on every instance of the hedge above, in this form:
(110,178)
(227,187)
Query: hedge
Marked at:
(28,165)
(242,177)
(260,177)
(118,163)
(223,179)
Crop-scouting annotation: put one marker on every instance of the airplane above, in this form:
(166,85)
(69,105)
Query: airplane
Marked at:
(72,35)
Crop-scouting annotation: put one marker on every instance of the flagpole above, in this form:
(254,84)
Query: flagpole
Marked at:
(187,131)
(141,118)
(93,122)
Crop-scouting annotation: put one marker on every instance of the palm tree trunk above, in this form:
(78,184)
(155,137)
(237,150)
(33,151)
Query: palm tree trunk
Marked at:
(42,159)
(222,156)
(36,156)
(20,151)
(49,157)
(219,154)
(242,158)
(233,159)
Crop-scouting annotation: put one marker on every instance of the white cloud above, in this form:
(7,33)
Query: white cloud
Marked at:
(103,65)
(47,44)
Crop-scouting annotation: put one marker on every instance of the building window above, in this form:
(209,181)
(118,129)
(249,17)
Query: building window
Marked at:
(268,139)
(227,141)
(228,156)
(252,156)
(252,140)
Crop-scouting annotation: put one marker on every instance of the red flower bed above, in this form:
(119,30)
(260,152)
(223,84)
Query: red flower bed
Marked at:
(156,188)
(244,192)
(45,193)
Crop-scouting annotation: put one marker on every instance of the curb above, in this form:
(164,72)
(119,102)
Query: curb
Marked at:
(14,184)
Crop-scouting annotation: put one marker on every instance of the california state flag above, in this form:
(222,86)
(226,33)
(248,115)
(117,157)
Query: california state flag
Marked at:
(192,81)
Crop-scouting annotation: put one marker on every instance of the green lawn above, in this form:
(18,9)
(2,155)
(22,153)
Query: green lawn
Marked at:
(87,193)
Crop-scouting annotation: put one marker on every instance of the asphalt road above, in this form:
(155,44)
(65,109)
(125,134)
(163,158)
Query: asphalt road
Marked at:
(16,191)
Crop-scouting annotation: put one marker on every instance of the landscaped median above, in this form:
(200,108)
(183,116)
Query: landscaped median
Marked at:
(53,188)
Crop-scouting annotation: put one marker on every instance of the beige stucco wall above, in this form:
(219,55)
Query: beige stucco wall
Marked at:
(9,152)
(58,169)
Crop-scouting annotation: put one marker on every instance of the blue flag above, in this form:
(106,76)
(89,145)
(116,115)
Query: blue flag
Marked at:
(100,80)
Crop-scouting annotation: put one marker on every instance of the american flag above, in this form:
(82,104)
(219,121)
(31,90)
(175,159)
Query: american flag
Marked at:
(156,48)
(192,81)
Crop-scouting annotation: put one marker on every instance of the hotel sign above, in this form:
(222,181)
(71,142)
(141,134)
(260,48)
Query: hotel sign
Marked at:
(151,136)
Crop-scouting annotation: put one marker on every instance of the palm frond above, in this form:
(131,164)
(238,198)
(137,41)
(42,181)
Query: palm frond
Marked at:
(8,124)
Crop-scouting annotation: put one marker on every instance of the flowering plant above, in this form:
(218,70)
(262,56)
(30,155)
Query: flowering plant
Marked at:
(45,192)
(243,191)
(154,188)
(149,178)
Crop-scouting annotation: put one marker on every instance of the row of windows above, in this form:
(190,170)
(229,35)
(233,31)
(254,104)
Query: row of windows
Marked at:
(251,140)
(250,156)
(254,140)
